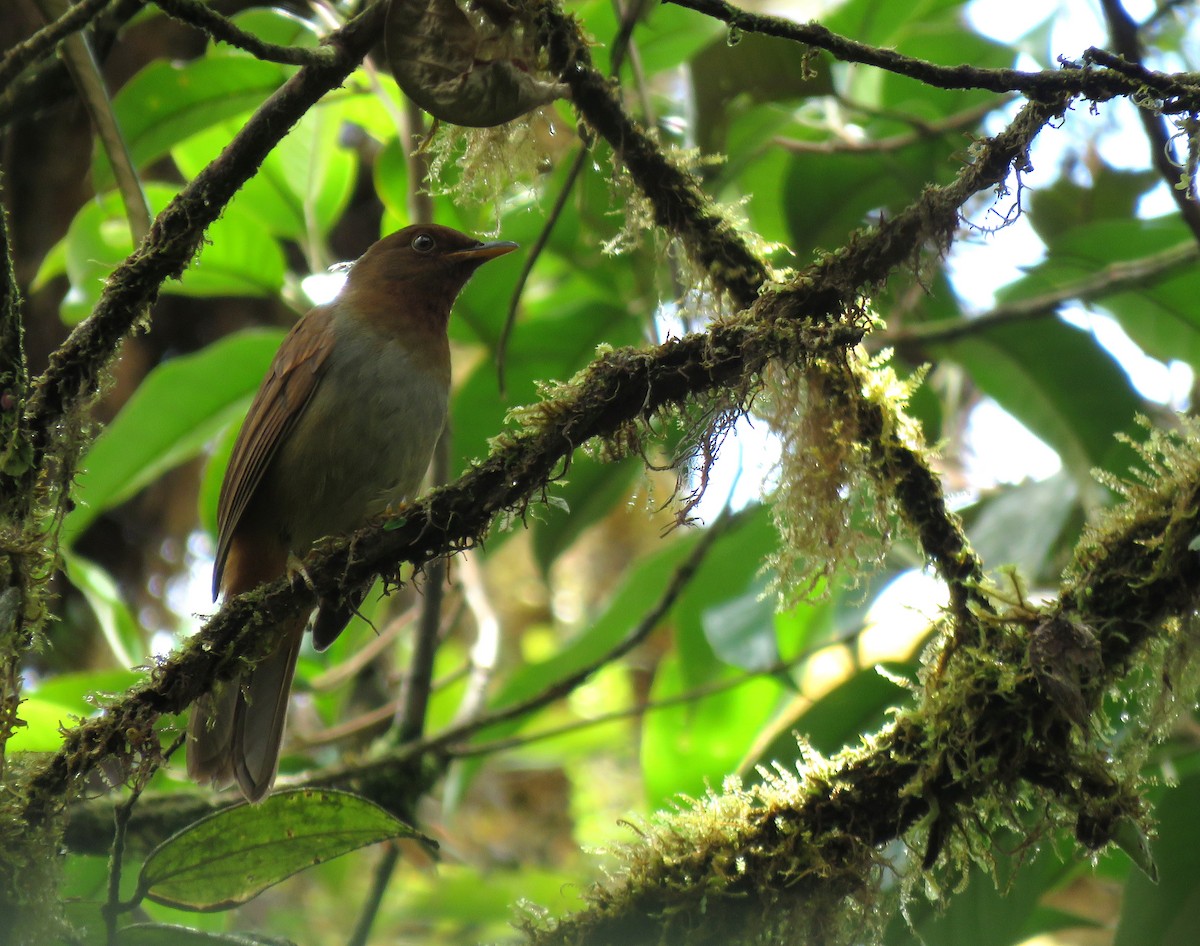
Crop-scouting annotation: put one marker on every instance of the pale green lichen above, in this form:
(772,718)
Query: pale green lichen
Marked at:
(834,513)
(481,165)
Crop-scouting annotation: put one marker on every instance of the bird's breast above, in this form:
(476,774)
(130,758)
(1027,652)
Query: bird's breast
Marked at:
(365,439)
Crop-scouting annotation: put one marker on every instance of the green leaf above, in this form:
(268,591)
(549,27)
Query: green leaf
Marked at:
(1110,195)
(1059,383)
(1165,913)
(117,623)
(987,910)
(741,629)
(43,719)
(170,934)
(234,855)
(166,103)
(179,407)
(589,492)
(691,746)
(837,719)
(1022,525)
(1160,315)
(236,260)
(303,186)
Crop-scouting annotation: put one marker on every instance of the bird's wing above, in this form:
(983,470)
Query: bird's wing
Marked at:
(285,392)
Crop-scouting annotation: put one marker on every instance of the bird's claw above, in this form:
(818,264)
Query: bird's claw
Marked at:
(297,574)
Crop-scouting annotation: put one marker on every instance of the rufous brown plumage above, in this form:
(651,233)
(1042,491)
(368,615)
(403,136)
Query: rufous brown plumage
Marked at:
(342,428)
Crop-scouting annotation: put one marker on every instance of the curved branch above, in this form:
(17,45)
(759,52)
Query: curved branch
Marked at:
(1180,93)
(220,28)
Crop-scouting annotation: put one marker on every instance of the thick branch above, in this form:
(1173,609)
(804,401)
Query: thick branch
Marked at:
(680,205)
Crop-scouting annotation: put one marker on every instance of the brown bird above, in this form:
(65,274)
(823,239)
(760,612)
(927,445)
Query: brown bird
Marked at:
(342,428)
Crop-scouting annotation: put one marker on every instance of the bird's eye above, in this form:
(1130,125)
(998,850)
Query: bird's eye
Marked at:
(423,243)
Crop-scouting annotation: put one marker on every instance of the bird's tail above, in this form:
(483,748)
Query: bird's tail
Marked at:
(235,734)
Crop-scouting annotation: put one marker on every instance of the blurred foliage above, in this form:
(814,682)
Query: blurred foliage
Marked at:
(805,151)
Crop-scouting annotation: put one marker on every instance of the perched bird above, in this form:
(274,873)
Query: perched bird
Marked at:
(342,428)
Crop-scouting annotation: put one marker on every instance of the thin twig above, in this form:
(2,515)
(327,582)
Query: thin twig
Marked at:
(693,695)
(221,28)
(922,131)
(1116,277)
(44,40)
(1127,42)
(410,721)
(1180,92)
(572,681)
(380,879)
(113,906)
(622,44)
(532,256)
(94,93)
(350,667)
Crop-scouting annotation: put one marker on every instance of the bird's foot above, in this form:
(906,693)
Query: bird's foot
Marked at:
(297,574)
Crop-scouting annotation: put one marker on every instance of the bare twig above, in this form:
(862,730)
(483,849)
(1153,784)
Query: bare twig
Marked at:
(380,878)
(44,40)
(922,131)
(1127,42)
(466,750)
(92,90)
(221,28)
(1116,277)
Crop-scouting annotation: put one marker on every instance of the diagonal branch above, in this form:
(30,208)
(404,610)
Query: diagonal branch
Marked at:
(43,42)
(1180,93)
(221,28)
(1121,276)
(1127,42)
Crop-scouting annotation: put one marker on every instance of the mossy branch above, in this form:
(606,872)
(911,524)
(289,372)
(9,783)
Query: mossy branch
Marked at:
(1011,726)
(796,324)
(1177,93)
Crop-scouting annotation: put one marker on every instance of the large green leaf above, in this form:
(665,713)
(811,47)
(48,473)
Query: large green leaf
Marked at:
(689,747)
(303,186)
(836,720)
(992,910)
(178,408)
(1166,913)
(234,855)
(118,626)
(1160,315)
(169,934)
(1060,384)
(237,259)
(167,102)
(588,493)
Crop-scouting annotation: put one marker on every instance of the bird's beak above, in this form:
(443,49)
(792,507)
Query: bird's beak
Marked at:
(483,252)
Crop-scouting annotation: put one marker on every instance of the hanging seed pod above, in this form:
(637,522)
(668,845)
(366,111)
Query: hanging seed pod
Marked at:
(469,67)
